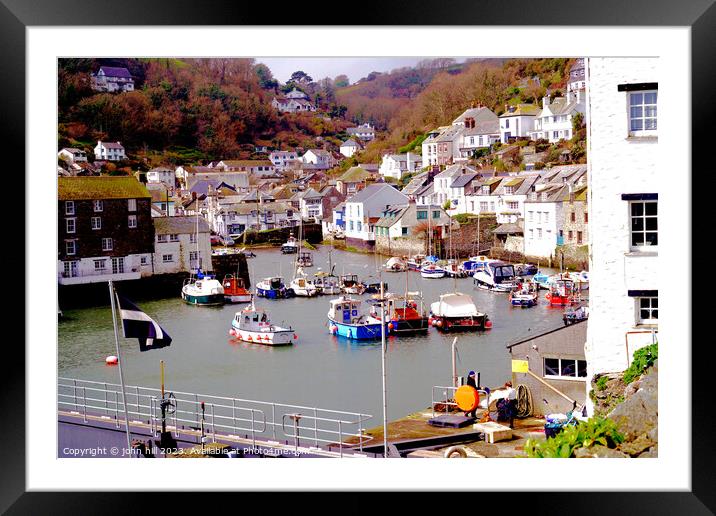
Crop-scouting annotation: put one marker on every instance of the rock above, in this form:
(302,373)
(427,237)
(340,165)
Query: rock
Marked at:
(583,453)
(602,452)
(651,453)
(637,446)
(639,413)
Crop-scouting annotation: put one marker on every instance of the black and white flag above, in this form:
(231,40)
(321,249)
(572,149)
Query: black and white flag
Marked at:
(137,324)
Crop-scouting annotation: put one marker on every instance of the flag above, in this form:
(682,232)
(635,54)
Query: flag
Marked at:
(137,324)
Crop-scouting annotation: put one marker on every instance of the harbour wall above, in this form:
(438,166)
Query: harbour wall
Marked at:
(312,233)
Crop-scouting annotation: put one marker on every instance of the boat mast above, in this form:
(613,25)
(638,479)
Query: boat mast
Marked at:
(382,355)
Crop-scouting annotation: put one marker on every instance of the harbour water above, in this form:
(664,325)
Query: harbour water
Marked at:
(320,369)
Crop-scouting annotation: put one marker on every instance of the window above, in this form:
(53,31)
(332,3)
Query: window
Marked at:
(586,217)
(143,260)
(530,216)
(132,204)
(642,113)
(573,217)
(570,234)
(70,247)
(173,238)
(405,231)
(193,256)
(579,237)
(167,258)
(539,232)
(359,226)
(99,265)
(647,310)
(422,215)
(565,368)
(644,226)
(161,238)
(192,238)
(492,206)
(96,222)
(70,225)
(546,216)
(436,214)
(513,205)
(132,221)
(69,207)
(483,206)
(97,205)
(509,190)
(350,225)
(106,244)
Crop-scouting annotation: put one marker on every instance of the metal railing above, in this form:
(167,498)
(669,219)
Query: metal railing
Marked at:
(446,399)
(222,416)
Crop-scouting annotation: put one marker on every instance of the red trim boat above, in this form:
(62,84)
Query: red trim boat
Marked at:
(562,293)
(234,290)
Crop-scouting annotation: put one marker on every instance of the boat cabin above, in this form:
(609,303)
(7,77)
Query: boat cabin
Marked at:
(275,283)
(349,280)
(502,272)
(252,319)
(345,310)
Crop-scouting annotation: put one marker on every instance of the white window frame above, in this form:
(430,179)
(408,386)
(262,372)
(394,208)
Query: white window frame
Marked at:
(643,106)
(71,225)
(652,306)
(98,205)
(559,367)
(132,221)
(131,204)
(644,217)
(100,265)
(70,247)
(96,223)
(162,239)
(173,237)
(69,207)
(106,247)
(167,258)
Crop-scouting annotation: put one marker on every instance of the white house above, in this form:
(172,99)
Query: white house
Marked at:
(365,132)
(478,136)
(111,79)
(72,155)
(282,159)
(396,165)
(235,217)
(624,170)
(319,157)
(430,147)
(517,121)
(512,194)
(179,246)
(577,80)
(483,197)
(365,208)
(554,121)
(349,147)
(109,151)
(162,175)
(442,183)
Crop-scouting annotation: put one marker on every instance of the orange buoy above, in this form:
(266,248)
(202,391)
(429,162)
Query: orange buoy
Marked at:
(488,324)
(467,398)
(111,360)
(295,337)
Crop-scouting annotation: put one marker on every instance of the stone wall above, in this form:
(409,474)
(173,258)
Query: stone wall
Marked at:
(311,232)
(400,246)
(224,264)
(465,238)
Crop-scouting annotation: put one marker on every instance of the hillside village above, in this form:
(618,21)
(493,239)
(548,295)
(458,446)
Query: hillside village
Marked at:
(516,167)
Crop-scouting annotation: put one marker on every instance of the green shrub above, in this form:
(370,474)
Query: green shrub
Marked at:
(602,382)
(596,430)
(462,218)
(644,358)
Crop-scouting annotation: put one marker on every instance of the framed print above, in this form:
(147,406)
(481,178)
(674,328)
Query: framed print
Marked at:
(416,233)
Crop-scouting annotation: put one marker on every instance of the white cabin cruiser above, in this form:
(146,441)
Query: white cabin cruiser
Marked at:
(497,277)
(254,325)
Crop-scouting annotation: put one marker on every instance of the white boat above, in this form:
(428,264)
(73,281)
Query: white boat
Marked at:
(302,286)
(432,270)
(348,317)
(254,325)
(203,290)
(395,264)
(581,279)
(327,284)
(290,246)
(497,277)
(304,259)
(525,295)
(457,311)
(349,284)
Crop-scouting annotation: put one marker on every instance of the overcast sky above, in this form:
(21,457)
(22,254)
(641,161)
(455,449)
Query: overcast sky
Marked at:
(320,67)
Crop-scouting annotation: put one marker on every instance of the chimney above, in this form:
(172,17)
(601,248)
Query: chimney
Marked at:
(545,101)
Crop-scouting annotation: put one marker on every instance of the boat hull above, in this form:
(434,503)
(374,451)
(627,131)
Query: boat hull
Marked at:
(435,273)
(237,298)
(279,337)
(418,325)
(272,293)
(357,331)
(524,302)
(451,324)
(203,300)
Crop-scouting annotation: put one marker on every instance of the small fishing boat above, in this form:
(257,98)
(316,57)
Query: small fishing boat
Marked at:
(496,277)
(576,315)
(430,269)
(349,284)
(581,279)
(415,262)
(476,263)
(348,318)
(563,293)
(406,313)
(254,325)
(454,269)
(525,269)
(302,286)
(290,246)
(273,288)
(203,290)
(235,291)
(304,260)
(544,281)
(395,264)
(457,311)
(374,288)
(326,283)
(525,295)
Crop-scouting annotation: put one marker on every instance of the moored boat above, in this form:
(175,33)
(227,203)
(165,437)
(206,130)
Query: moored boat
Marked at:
(430,269)
(302,286)
(304,259)
(203,290)
(454,270)
(525,269)
(406,313)
(290,246)
(415,262)
(563,293)
(576,315)
(349,284)
(395,264)
(476,263)
(254,325)
(326,284)
(348,318)
(272,288)
(496,277)
(525,295)
(457,311)
(235,291)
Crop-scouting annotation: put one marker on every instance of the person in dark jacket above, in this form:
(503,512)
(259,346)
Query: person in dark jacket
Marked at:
(471,383)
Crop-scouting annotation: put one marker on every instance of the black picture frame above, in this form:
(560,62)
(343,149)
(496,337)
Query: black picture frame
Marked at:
(16,15)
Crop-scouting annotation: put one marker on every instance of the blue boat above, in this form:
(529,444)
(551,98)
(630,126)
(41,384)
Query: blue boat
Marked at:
(476,263)
(273,288)
(347,318)
(544,281)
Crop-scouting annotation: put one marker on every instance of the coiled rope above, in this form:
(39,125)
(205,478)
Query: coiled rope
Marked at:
(524,401)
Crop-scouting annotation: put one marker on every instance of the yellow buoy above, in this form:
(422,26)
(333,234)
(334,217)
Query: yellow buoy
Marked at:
(467,398)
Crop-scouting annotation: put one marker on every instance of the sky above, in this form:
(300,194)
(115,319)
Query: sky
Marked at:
(319,67)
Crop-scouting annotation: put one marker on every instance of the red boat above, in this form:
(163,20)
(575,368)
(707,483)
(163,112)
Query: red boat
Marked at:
(563,293)
(234,290)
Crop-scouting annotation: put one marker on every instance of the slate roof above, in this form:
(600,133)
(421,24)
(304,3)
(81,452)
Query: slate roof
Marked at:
(486,127)
(103,187)
(116,71)
(480,114)
(463,180)
(111,145)
(355,175)
(179,225)
(509,228)
(369,191)
(450,133)
(350,142)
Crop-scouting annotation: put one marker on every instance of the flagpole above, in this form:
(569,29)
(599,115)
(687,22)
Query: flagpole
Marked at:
(383,350)
(119,361)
